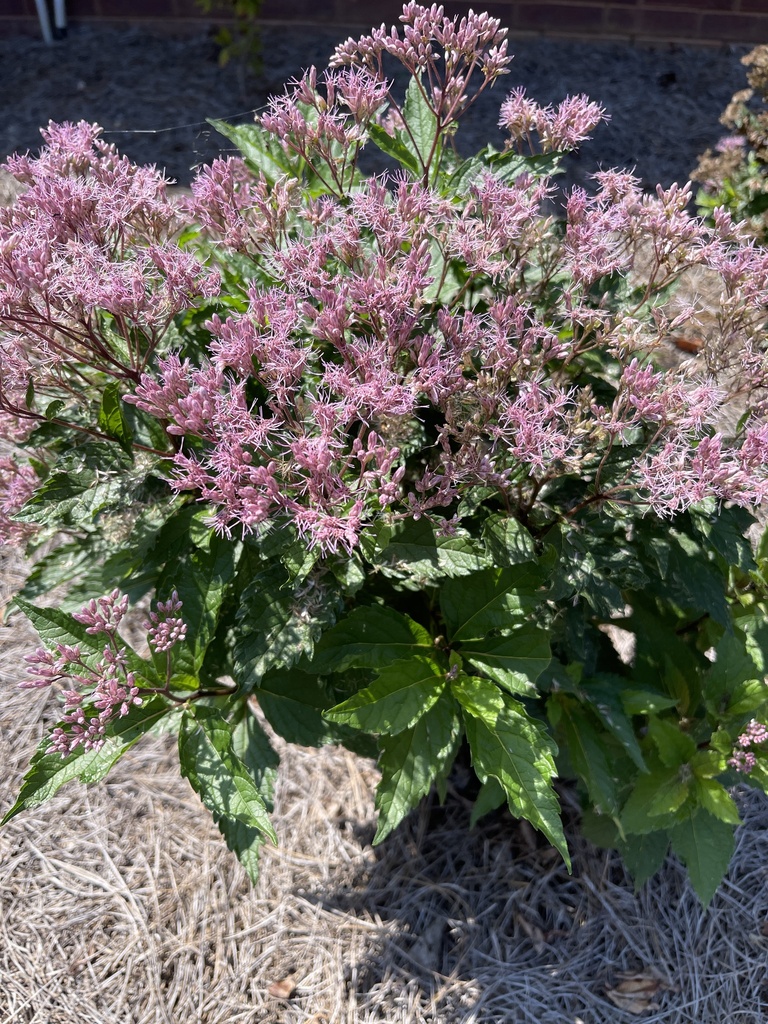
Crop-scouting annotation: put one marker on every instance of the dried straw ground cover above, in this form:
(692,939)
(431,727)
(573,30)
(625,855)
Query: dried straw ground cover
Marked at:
(122,904)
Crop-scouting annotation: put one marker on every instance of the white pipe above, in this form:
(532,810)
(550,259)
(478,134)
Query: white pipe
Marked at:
(45,21)
(60,15)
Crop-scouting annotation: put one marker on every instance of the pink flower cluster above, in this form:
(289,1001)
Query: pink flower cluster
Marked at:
(17,484)
(744,759)
(90,276)
(164,628)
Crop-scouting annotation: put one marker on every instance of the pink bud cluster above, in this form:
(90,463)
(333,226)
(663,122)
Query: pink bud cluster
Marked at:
(164,628)
(743,759)
(105,687)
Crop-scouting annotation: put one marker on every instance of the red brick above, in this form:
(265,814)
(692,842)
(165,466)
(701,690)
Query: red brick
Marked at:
(735,28)
(621,21)
(666,24)
(754,6)
(129,9)
(558,18)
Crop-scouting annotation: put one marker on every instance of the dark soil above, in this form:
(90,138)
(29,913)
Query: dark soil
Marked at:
(152,94)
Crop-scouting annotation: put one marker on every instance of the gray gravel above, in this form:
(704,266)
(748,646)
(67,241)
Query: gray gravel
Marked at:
(152,94)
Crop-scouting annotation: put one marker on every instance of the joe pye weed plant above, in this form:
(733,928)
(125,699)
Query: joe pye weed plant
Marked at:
(391,456)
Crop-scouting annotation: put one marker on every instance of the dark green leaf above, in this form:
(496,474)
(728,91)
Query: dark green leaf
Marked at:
(605,693)
(508,542)
(586,750)
(412,760)
(654,801)
(57,627)
(644,855)
(422,128)
(705,845)
(492,599)
(111,418)
(47,773)
(674,746)
(276,625)
(413,551)
(393,147)
(490,798)
(261,151)
(371,636)
(201,579)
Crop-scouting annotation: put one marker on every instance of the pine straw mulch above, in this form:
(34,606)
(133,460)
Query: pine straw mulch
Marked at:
(121,903)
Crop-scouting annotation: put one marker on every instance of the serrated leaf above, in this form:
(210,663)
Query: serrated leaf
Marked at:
(422,124)
(705,845)
(393,147)
(201,578)
(274,626)
(371,636)
(252,746)
(260,150)
(401,693)
(491,599)
(508,542)
(47,773)
(515,661)
(654,800)
(513,748)
(715,799)
(646,702)
(216,773)
(412,760)
(644,855)
(588,758)
(293,703)
(604,693)
(674,746)
(490,798)
(414,552)
(747,697)
(111,418)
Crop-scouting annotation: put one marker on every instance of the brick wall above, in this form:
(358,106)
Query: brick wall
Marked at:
(708,22)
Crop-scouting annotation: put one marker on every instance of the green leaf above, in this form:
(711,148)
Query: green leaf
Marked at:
(371,636)
(275,627)
(47,773)
(261,151)
(251,744)
(56,627)
(422,128)
(646,702)
(76,501)
(491,599)
(412,760)
(733,667)
(513,748)
(293,703)
(111,418)
(490,798)
(674,746)
(747,697)
(207,758)
(705,845)
(604,692)
(201,579)
(514,661)
(413,551)
(508,542)
(715,799)
(586,750)
(654,800)
(395,700)
(644,855)
(393,147)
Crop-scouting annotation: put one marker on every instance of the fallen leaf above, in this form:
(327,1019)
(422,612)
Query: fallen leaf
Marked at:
(284,988)
(635,992)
